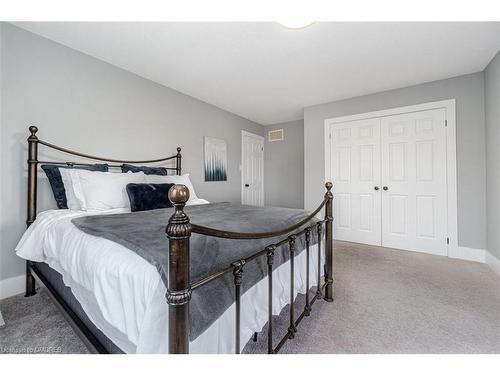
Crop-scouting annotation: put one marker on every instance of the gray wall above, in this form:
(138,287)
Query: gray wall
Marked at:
(1,148)
(284,166)
(89,105)
(468,91)
(492,109)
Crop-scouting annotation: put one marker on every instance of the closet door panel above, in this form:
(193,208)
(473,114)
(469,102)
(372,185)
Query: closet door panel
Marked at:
(413,156)
(355,171)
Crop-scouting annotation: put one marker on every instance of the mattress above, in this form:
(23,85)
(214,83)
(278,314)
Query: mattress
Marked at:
(123,297)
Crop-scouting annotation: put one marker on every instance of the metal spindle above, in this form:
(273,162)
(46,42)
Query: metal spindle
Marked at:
(238,276)
(307,308)
(270,262)
(292,329)
(319,228)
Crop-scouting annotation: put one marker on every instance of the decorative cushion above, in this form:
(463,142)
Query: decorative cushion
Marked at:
(174,179)
(144,197)
(56,182)
(147,170)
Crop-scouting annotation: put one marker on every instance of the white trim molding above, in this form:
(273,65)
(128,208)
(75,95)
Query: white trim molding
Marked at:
(467,253)
(493,262)
(451,161)
(12,286)
(477,255)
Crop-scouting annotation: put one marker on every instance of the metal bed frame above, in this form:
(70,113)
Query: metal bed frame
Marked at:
(178,231)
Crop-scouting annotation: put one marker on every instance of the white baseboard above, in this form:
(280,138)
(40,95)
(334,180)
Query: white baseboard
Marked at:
(468,253)
(12,286)
(477,255)
(493,262)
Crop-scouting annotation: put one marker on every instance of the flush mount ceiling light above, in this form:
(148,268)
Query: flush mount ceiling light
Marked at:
(296,24)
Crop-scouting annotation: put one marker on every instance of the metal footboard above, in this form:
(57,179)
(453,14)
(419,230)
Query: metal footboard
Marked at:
(180,288)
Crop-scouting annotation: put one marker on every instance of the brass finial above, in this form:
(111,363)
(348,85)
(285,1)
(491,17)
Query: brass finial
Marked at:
(33,129)
(178,194)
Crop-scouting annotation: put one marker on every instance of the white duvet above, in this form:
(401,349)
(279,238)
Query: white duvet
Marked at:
(123,294)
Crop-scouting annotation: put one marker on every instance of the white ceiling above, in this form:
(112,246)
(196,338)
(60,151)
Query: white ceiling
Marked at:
(267,73)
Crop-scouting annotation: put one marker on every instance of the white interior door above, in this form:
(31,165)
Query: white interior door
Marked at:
(252,169)
(355,171)
(414,193)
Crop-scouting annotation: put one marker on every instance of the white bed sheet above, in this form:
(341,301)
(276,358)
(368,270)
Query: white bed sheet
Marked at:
(123,294)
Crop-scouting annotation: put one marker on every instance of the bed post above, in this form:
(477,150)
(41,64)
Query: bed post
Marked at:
(329,243)
(32,181)
(179,286)
(31,207)
(178,159)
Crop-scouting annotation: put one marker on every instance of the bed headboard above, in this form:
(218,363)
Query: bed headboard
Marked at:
(33,162)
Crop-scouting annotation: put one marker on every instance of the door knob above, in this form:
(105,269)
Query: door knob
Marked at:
(385,188)
(376,188)
(246,185)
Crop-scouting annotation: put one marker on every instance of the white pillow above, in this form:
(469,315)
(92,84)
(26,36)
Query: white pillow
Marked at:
(173,179)
(102,190)
(72,202)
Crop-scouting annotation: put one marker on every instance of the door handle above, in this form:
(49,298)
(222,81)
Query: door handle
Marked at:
(247,185)
(376,188)
(385,188)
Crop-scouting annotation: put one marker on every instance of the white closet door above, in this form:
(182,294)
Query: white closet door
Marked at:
(252,169)
(355,171)
(413,150)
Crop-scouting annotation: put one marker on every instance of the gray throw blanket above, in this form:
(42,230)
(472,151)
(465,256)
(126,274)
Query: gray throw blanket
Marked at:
(144,233)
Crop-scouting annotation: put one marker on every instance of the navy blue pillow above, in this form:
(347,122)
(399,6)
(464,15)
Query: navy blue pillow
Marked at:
(144,197)
(56,183)
(147,170)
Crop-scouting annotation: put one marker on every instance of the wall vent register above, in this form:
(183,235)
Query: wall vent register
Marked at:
(275,135)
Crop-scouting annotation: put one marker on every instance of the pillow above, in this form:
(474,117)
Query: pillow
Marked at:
(147,170)
(144,197)
(174,179)
(72,202)
(103,190)
(53,173)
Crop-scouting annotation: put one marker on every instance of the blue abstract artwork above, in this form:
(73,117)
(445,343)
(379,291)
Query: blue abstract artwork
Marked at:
(215,159)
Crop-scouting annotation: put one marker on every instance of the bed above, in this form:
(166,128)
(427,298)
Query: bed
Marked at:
(224,270)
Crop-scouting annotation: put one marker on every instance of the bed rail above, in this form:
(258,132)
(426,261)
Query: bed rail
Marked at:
(180,286)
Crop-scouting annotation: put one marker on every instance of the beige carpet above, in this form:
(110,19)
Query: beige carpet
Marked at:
(386,301)
(393,301)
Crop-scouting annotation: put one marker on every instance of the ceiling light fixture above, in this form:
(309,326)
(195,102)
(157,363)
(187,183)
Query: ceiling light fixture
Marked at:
(295,24)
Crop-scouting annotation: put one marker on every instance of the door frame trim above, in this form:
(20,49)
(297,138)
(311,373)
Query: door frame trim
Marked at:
(451,154)
(253,135)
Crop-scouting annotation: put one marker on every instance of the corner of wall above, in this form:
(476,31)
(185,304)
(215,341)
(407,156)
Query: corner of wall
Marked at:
(493,262)
(492,144)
